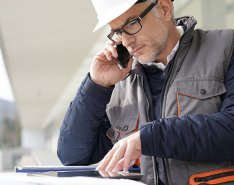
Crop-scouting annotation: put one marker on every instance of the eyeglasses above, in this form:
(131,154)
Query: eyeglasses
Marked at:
(132,27)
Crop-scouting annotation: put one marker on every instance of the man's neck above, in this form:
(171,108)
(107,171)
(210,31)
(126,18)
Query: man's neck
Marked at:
(173,39)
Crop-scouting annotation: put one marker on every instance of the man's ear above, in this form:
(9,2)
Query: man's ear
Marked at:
(167,9)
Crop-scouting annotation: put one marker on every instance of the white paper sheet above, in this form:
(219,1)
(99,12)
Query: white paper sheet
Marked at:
(23,179)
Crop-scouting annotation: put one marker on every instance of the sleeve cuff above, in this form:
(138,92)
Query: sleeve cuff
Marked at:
(146,140)
(96,90)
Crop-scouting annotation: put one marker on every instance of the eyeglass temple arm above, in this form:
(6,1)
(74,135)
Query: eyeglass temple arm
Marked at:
(147,10)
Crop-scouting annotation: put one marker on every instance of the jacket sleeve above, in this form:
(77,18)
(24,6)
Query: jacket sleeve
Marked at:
(82,139)
(195,137)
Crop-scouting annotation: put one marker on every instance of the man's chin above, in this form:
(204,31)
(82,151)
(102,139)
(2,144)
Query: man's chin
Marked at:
(143,61)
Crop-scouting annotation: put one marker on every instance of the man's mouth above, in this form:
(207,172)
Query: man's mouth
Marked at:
(137,51)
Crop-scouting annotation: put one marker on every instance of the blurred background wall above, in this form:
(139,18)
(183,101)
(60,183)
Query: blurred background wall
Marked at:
(47,47)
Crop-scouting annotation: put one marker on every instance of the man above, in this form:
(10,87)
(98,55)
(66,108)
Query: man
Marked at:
(172,106)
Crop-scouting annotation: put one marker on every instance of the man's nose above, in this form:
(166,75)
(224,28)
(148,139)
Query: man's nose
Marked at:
(127,40)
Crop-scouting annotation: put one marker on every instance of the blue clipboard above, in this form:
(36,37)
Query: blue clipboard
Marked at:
(35,169)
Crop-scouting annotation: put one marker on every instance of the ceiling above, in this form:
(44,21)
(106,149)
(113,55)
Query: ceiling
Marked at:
(46,46)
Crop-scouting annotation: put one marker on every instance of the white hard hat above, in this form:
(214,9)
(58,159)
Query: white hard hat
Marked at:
(108,10)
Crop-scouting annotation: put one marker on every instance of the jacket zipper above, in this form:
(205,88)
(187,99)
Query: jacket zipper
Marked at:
(142,76)
(212,177)
(172,63)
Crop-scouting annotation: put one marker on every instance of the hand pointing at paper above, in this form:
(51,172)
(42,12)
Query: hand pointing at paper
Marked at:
(122,154)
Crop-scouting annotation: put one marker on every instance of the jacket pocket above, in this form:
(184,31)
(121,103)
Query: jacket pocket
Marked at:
(199,96)
(222,176)
(119,130)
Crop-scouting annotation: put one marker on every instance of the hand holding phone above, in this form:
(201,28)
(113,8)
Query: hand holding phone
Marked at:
(102,70)
(123,55)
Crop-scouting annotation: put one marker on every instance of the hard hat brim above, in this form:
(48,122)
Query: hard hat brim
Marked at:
(110,15)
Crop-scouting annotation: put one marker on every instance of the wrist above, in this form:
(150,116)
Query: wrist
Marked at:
(97,90)
(101,83)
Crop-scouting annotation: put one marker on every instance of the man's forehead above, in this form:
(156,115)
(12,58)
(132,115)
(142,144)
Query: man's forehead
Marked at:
(127,16)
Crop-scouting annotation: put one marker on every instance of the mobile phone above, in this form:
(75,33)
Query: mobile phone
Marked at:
(123,55)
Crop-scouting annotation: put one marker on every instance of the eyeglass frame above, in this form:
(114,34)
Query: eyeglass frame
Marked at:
(138,19)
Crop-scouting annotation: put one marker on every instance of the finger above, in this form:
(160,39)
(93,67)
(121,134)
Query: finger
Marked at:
(111,47)
(124,173)
(117,156)
(103,173)
(108,54)
(119,166)
(105,161)
(112,174)
(128,157)
(130,62)
(113,162)
(110,42)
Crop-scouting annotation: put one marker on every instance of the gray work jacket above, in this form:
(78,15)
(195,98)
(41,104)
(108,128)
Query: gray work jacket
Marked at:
(193,87)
